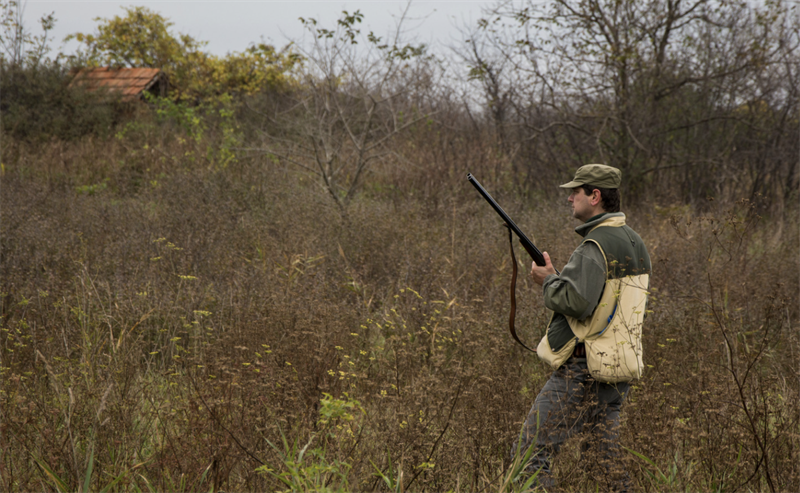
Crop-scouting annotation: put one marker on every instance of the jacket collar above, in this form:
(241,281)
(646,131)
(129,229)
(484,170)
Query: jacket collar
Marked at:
(596,221)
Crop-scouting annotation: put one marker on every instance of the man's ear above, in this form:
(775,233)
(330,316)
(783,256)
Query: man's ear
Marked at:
(597,197)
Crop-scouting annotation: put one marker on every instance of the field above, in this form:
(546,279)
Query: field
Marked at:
(170,323)
(275,276)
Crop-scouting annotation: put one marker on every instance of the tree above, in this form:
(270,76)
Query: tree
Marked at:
(143,38)
(260,67)
(350,103)
(35,102)
(655,87)
(19,47)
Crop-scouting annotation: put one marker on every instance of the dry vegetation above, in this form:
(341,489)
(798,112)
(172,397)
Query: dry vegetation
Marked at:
(169,325)
(300,290)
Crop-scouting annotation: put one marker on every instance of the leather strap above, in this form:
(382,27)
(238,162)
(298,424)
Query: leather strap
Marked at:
(513,313)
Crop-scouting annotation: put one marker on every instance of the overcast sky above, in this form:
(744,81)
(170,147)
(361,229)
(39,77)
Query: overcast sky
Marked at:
(233,25)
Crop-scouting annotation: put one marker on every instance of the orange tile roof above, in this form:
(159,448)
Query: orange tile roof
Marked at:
(130,82)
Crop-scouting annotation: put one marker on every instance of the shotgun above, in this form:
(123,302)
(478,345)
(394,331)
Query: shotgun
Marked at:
(527,244)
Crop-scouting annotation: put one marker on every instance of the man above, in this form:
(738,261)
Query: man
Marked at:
(593,340)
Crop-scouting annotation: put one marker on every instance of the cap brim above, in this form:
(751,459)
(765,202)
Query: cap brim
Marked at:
(572,184)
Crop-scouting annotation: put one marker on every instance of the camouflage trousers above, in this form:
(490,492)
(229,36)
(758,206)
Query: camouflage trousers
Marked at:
(572,402)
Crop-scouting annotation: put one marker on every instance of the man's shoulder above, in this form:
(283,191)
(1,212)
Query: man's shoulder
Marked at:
(590,248)
(616,239)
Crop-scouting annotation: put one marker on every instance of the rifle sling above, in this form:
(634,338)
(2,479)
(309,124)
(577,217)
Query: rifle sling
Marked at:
(513,313)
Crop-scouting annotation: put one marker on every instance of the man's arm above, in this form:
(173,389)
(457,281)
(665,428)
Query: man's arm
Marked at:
(576,291)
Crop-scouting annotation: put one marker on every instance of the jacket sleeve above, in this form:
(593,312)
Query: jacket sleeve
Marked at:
(576,291)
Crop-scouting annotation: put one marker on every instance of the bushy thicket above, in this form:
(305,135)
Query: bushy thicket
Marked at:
(37,105)
(169,323)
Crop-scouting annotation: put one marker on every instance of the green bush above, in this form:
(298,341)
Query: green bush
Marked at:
(37,104)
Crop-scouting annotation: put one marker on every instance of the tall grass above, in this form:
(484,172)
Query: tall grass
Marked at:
(170,324)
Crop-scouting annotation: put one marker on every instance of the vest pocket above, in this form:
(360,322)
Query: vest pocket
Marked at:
(613,358)
(553,358)
(559,333)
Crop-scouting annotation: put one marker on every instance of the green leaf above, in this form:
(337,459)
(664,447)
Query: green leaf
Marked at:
(88,479)
(59,483)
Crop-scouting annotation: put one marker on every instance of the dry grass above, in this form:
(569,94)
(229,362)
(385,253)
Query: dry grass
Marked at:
(170,325)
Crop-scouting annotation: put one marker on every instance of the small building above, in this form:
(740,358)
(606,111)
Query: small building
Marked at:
(130,83)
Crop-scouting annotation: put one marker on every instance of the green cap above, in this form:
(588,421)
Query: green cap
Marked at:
(597,175)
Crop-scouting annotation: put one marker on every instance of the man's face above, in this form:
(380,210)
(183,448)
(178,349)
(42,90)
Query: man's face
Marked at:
(582,208)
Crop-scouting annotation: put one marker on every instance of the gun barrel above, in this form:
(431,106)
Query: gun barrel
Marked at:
(526,243)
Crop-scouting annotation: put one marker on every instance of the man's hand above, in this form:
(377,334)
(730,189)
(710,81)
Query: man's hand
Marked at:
(538,272)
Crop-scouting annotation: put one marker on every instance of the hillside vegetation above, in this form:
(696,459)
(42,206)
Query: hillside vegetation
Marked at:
(295,288)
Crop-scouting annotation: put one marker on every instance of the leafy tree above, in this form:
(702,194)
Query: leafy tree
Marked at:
(143,38)
(259,67)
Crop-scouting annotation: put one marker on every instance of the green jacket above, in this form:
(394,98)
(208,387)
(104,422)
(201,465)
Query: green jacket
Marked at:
(609,269)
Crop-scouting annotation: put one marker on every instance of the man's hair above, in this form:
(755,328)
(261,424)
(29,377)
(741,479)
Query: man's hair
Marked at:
(609,197)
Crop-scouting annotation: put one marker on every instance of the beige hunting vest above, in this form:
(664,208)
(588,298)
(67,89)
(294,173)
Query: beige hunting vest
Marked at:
(613,332)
